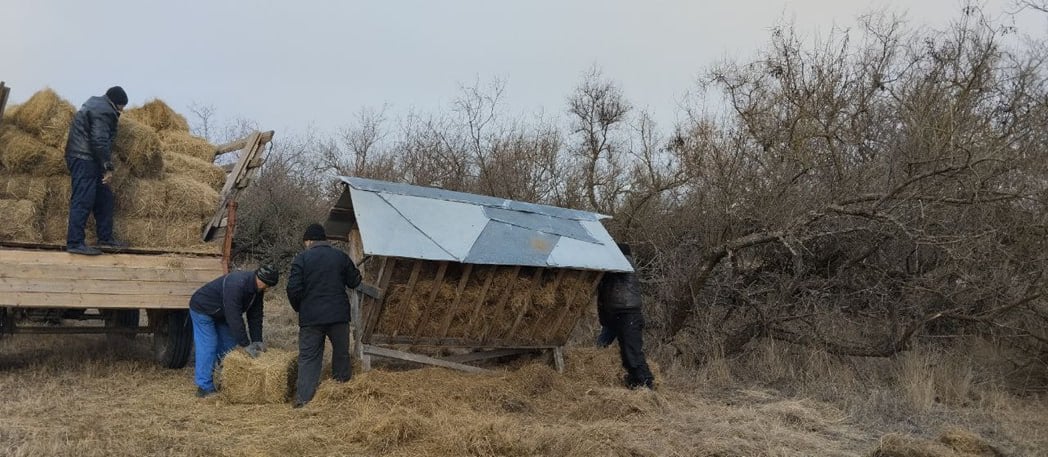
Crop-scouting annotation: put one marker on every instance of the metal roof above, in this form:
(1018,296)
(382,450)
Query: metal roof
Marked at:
(402,220)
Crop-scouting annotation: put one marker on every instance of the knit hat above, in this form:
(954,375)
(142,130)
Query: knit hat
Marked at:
(315,232)
(268,275)
(117,95)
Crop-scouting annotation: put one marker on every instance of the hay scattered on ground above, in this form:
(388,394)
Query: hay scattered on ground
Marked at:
(18,221)
(178,142)
(953,442)
(267,379)
(137,147)
(157,115)
(22,153)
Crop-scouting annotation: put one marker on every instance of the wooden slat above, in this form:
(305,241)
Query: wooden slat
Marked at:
(237,179)
(412,280)
(474,325)
(486,355)
(58,300)
(558,358)
(583,303)
(356,247)
(4,93)
(551,331)
(503,299)
(386,271)
(427,308)
(541,322)
(52,272)
(418,358)
(536,283)
(31,257)
(457,342)
(89,286)
(454,308)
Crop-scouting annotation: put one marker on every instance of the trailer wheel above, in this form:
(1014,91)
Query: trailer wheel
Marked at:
(121,319)
(172,338)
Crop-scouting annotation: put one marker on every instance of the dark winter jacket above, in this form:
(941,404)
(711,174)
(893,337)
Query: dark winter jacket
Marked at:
(317,285)
(92,132)
(227,299)
(618,293)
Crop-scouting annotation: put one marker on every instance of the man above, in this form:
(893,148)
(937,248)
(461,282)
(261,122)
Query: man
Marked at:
(217,311)
(316,288)
(89,157)
(619,310)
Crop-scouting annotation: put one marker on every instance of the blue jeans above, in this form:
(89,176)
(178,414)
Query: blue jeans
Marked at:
(88,196)
(212,341)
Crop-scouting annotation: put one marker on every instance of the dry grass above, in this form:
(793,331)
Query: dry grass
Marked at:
(77,396)
(196,169)
(267,379)
(157,115)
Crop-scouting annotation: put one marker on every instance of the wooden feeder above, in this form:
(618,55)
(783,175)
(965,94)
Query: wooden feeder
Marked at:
(456,270)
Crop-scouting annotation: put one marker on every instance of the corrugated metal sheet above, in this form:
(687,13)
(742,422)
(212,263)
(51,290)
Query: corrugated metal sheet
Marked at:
(402,220)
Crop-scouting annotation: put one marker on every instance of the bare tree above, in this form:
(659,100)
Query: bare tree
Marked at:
(598,112)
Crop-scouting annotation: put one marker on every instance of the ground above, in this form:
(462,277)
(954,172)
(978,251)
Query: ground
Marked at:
(87,396)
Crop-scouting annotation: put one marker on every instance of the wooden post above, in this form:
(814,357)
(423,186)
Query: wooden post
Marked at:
(227,242)
(384,275)
(4,92)
(503,299)
(358,329)
(558,358)
(473,326)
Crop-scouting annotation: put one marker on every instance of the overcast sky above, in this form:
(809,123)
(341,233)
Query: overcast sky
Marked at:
(293,64)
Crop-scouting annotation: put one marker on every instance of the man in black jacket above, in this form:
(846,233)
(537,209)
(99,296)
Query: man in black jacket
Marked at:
(619,310)
(89,157)
(217,311)
(316,289)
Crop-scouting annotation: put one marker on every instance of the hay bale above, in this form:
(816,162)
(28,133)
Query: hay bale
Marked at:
(196,169)
(26,187)
(189,198)
(19,221)
(173,197)
(184,143)
(156,114)
(46,116)
(137,147)
(22,153)
(158,232)
(267,379)
(141,198)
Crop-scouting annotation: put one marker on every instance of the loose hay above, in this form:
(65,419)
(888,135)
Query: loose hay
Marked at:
(952,443)
(22,153)
(157,115)
(184,143)
(268,379)
(137,146)
(18,221)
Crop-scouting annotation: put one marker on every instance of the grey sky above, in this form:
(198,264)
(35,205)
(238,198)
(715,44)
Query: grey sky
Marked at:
(292,64)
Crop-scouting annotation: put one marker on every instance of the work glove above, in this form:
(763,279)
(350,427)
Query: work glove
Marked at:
(252,350)
(260,346)
(606,337)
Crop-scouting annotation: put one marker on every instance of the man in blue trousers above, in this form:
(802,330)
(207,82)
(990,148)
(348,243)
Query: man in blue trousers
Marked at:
(217,310)
(89,157)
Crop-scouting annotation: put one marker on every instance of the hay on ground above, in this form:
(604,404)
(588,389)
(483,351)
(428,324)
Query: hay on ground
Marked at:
(157,115)
(19,221)
(21,153)
(195,169)
(267,379)
(137,147)
(46,116)
(968,443)
(184,143)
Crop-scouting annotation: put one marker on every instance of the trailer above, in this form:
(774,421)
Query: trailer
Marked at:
(44,290)
(480,276)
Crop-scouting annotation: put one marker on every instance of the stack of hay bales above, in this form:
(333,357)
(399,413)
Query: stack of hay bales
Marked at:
(166,184)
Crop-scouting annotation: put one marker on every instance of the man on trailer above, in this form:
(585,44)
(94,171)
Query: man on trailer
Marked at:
(89,157)
(217,311)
